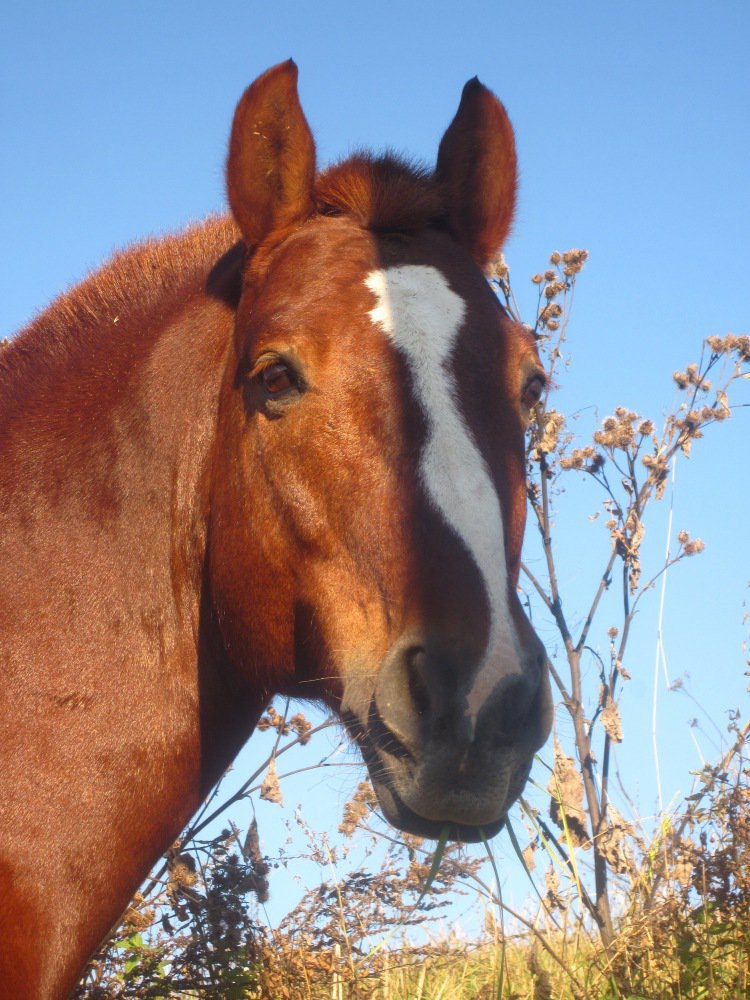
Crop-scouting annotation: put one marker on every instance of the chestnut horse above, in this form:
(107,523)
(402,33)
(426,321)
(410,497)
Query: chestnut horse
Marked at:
(278,453)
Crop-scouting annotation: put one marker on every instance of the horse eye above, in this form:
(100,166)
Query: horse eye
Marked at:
(277,378)
(533,391)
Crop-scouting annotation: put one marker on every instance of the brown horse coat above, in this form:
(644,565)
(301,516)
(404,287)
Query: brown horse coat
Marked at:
(279,453)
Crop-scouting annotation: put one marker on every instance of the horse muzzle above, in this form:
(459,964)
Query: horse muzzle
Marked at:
(432,761)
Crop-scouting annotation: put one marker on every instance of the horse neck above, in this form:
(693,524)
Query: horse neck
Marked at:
(114,670)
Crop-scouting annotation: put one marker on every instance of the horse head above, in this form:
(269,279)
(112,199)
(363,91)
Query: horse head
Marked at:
(368,491)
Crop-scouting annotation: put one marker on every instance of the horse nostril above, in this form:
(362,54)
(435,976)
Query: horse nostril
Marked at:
(508,716)
(416,661)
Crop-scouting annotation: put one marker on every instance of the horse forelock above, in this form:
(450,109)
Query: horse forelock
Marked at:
(383,194)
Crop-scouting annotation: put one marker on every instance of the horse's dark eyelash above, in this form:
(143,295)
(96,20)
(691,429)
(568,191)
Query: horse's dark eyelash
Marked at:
(539,374)
(298,382)
(267,361)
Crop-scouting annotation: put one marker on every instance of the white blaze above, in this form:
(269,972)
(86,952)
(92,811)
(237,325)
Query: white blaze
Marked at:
(422,316)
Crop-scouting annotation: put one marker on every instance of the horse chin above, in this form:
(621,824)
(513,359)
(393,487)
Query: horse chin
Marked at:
(405,819)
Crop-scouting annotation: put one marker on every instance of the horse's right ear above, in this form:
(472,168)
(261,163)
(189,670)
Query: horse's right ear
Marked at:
(476,168)
(271,162)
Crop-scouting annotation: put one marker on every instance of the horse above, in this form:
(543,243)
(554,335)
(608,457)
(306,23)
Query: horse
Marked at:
(280,452)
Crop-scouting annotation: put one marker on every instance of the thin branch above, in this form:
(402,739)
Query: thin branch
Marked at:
(537,586)
(604,582)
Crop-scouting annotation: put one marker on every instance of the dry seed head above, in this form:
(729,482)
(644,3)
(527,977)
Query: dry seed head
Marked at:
(301,727)
(721,412)
(690,546)
(574,256)
(358,808)
(623,413)
(555,258)
(550,424)
(693,547)
(537,279)
(273,720)
(553,288)
(718,345)
(617,431)
(583,458)
(137,920)
(574,261)
(730,342)
(498,268)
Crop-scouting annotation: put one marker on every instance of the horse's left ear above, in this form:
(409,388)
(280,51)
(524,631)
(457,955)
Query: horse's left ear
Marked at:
(271,162)
(476,168)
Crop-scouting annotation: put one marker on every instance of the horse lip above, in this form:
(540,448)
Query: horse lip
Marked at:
(400,815)
(376,742)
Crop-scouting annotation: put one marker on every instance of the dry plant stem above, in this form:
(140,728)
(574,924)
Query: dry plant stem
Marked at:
(245,788)
(574,704)
(200,823)
(630,610)
(341,913)
(604,582)
(565,857)
(639,494)
(688,817)
(544,527)
(496,901)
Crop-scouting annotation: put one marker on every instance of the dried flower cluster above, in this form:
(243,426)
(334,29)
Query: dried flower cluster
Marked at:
(283,726)
(358,808)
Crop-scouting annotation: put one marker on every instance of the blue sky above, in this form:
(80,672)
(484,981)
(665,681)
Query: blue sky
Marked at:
(632,130)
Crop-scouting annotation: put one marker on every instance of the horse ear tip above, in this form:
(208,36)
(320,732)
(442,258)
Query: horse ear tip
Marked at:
(287,69)
(472,85)
(285,72)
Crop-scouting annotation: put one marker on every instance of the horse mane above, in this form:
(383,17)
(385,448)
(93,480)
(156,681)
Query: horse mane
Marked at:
(134,281)
(383,194)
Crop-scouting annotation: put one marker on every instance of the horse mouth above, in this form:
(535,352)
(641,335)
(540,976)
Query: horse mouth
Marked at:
(436,796)
(448,786)
(401,816)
